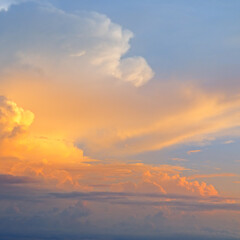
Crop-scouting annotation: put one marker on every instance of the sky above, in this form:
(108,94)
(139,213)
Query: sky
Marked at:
(119,120)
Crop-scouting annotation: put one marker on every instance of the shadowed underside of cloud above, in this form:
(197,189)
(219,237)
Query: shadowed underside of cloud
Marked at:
(72,216)
(179,202)
(47,206)
(40,236)
(10,179)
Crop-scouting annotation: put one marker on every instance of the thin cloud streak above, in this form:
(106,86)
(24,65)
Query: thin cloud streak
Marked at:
(187,204)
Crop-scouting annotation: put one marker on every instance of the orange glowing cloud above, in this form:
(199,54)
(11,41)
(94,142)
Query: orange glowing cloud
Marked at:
(105,120)
(193,151)
(13,119)
(86,111)
(216,175)
(115,177)
(60,164)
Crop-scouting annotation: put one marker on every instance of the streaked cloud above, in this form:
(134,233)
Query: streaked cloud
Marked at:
(193,151)
(6,179)
(229,141)
(179,159)
(215,175)
(79,54)
(200,204)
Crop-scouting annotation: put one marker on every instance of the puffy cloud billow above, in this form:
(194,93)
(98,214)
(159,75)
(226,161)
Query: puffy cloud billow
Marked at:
(13,119)
(90,41)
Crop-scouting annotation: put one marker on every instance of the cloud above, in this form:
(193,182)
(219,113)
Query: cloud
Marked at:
(55,217)
(135,70)
(75,196)
(194,123)
(80,212)
(5,4)
(193,151)
(91,41)
(179,159)
(122,188)
(41,236)
(72,70)
(101,196)
(186,206)
(181,202)
(229,141)
(213,175)
(13,119)
(132,178)
(58,163)
(10,179)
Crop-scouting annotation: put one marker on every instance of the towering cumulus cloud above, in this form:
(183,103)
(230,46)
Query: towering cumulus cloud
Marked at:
(91,41)
(13,119)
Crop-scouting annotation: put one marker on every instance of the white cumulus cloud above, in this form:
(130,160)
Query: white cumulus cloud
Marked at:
(70,42)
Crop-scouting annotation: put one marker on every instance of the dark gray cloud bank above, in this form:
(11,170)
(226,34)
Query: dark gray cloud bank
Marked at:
(41,236)
(28,214)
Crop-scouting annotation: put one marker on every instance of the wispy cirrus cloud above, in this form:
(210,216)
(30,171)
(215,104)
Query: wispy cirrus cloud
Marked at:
(179,159)
(214,175)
